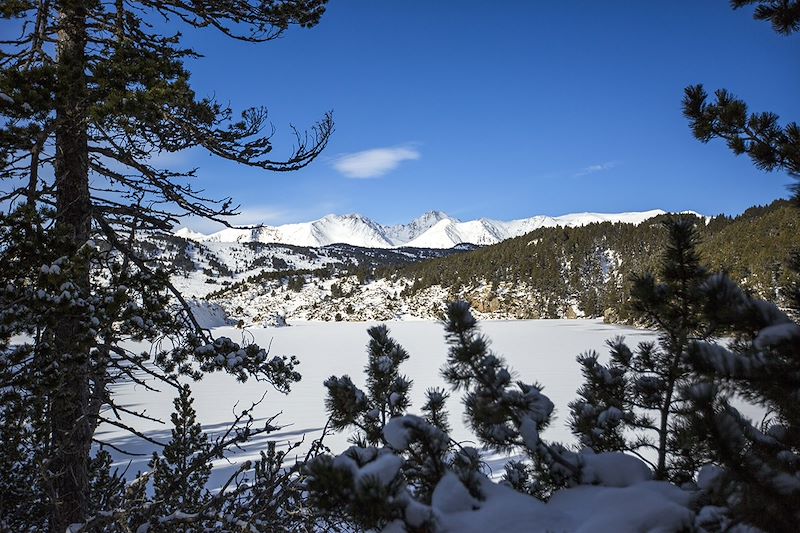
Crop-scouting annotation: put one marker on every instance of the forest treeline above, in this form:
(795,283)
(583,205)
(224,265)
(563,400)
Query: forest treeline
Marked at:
(589,268)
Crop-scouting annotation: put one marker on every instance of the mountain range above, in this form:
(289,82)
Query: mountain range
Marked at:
(434,229)
(551,272)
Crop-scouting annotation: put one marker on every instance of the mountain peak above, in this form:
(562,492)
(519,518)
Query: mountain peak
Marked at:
(348,216)
(187,233)
(437,215)
(403,234)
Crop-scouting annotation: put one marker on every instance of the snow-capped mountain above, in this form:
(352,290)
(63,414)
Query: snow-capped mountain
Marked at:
(331,229)
(447,233)
(402,234)
(434,229)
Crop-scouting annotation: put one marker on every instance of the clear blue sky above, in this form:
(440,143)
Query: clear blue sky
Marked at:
(501,109)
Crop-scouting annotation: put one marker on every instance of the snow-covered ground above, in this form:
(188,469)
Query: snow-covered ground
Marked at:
(538,350)
(387,299)
(616,494)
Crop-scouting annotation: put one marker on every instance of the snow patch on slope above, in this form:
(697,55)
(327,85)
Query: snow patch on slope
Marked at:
(448,233)
(402,234)
(208,315)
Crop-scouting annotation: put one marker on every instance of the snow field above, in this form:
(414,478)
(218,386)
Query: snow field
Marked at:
(537,350)
(618,494)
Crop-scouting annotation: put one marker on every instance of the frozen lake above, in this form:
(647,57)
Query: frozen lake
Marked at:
(537,350)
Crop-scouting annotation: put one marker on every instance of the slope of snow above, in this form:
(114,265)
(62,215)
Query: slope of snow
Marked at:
(208,315)
(350,229)
(228,235)
(186,233)
(448,233)
(434,229)
(330,229)
(582,219)
(401,234)
(653,506)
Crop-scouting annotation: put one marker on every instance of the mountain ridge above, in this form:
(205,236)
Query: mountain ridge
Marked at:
(549,273)
(434,229)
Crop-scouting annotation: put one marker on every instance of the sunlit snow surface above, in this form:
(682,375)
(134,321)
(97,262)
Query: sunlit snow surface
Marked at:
(538,350)
(619,496)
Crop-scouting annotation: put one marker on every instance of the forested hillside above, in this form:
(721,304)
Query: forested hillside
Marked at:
(586,271)
(548,273)
(753,248)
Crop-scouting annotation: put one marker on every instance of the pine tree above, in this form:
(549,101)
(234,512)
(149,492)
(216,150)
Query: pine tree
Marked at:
(90,91)
(770,145)
(756,480)
(107,488)
(398,460)
(673,306)
(639,392)
(181,470)
(505,416)
(413,474)
(783,15)
(173,494)
(598,417)
(386,396)
(760,478)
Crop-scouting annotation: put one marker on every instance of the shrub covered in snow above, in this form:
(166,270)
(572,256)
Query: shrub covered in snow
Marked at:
(406,474)
(635,402)
(648,422)
(759,482)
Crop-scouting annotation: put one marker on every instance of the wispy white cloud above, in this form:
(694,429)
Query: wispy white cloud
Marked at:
(375,162)
(591,169)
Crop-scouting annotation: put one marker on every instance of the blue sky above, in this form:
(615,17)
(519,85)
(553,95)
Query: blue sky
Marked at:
(500,109)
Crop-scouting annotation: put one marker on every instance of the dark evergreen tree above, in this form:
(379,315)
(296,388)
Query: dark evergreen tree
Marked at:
(639,393)
(172,495)
(107,488)
(757,479)
(435,409)
(386,396)
(90,92)
(599,414)
(783,15)
(23,501)
(413,471)
(181,470)
(770,145)
(397,459)
(673,305)
(505,415)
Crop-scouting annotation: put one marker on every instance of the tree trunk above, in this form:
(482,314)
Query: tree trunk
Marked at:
(71,431)
(663,434)
(677,347)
